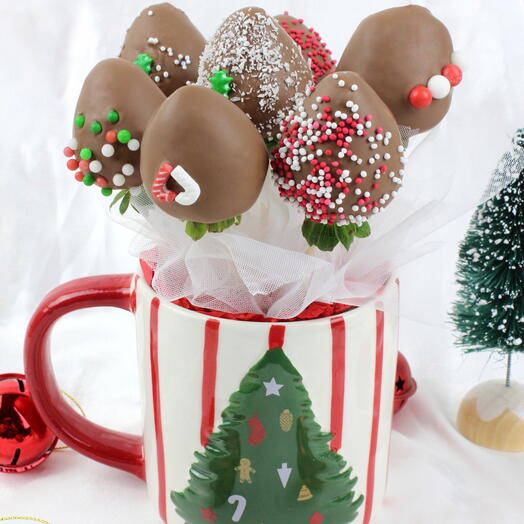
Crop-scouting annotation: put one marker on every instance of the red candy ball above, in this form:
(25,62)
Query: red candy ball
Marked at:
(79,176)
(100,181)
(25,440)
(111,137)
(72,164)
(420,97)
(453,73)
(84,165)
(68,152)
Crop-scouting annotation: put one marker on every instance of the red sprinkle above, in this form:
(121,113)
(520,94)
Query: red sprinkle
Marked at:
(68,152)
(111,136)
(79,176)
(100,181)
(72,164)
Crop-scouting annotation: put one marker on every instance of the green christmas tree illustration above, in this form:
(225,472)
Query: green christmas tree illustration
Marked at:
(489,311)
(269,462)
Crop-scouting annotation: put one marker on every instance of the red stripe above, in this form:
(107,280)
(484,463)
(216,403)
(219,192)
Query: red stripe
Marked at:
(338,377)
(209,379)
(370,486)
(155,379)
(277,333)
(132,298)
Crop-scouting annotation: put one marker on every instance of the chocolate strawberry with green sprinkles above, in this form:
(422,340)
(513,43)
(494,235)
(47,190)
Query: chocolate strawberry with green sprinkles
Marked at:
(339,158)
(114,106)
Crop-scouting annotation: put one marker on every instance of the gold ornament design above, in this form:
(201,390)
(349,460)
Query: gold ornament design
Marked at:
(245,470)
(305,494)
(286,420)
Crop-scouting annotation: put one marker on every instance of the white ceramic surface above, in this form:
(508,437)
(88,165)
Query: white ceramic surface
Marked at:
(172,371)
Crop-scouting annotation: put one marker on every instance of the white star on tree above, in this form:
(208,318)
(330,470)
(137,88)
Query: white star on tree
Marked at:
(272,388)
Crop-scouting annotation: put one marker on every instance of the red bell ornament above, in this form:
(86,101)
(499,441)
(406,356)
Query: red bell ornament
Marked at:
(25,440)
(405,384)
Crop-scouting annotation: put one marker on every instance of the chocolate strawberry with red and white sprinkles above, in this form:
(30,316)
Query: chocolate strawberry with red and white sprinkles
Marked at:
(340,158)
(114,106)
(314,50)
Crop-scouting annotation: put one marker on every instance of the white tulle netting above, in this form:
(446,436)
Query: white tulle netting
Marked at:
(264,265)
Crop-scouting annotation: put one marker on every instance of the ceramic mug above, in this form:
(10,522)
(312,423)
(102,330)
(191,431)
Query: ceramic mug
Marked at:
(249,397)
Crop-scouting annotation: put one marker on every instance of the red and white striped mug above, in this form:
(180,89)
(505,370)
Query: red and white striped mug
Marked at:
(260,455)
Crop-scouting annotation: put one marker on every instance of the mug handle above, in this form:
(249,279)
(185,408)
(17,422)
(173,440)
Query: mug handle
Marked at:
(116,449)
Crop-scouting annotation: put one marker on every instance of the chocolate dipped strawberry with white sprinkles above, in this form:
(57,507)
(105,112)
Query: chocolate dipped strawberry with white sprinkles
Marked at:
(340,158)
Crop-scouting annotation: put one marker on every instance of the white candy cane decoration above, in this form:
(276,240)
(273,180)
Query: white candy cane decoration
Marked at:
(242,503)
(159,190)
(191,188)
(191,191)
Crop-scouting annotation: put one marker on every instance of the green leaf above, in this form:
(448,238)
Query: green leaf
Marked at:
(196,230)
(125,203)
(363,231)
(322,236)
(345,235)
(218,227)
(271,144)
(118,197)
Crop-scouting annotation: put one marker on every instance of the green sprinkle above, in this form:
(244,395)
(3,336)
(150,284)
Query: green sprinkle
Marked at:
(107,191)
(86,153)
(80,120)
(220,83)
(96,127)
(113,116)
(144,62)
(89,179)
(124,136)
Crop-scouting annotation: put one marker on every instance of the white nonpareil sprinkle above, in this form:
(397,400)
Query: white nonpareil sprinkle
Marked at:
(128,169)
(108,150)
(119,179)
(341,83)
(354,87)
(133,144)
(73,143)
(95,166)
(150,12)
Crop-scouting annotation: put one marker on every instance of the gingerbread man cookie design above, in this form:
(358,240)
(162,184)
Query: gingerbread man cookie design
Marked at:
(245,470)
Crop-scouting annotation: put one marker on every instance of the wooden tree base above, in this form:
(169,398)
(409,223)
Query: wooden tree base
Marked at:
(492,416)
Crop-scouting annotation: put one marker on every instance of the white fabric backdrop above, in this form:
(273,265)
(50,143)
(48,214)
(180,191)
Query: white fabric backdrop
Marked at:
(52,230)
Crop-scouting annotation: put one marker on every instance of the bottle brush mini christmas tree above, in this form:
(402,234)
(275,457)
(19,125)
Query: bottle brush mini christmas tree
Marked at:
(269,461)
(489,313)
